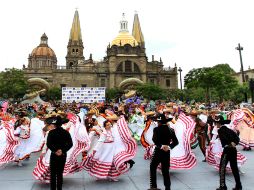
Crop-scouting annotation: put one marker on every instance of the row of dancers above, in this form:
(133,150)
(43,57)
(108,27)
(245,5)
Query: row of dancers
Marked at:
(107,137)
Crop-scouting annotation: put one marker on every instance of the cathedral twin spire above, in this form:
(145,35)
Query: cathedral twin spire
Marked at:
(75,45)
(75,34)
(137,32)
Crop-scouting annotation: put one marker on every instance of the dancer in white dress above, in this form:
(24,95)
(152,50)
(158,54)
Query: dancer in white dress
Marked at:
(181,157)
(112,154)
(81,142)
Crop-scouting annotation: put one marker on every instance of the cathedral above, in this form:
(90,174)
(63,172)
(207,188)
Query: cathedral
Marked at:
(125,63)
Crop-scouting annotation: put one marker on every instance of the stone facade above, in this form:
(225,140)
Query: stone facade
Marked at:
(248,74)
(125,58)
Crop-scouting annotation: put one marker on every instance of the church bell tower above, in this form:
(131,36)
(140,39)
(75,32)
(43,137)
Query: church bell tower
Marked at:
(75,45)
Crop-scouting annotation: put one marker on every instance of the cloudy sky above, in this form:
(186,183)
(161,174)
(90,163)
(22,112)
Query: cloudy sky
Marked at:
(190,33)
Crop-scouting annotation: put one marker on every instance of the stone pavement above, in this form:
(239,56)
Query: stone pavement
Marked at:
(201,177)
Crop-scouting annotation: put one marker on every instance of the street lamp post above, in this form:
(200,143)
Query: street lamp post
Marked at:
(180,71)
(239,48)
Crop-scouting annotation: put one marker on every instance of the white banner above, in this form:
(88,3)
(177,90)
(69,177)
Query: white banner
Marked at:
(83,94)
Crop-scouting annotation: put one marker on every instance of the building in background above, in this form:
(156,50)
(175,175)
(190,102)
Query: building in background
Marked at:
(248,74)
(125,58)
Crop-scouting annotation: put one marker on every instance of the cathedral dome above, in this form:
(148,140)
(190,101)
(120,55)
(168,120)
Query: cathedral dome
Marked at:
(43,49)
(42,56)
(124,38)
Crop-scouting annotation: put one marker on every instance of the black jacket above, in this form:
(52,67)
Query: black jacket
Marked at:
(59,138)
(227,136)
(163,135)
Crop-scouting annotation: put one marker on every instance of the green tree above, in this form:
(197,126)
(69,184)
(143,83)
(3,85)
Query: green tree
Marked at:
(237,95)
(13,83)
(54,93)
(151,91)
(196,94)
(113,93)
(225,83)
(225,68)
(204,78)
(192,78)
(175,94)
(217,81)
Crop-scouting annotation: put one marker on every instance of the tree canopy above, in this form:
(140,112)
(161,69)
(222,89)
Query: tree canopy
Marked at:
(147,90)
(13,84)
(113,93)
(216,81)
(151,91)
(54,93)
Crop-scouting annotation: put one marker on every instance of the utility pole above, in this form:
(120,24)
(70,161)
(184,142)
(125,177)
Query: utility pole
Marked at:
(239,48)
(180,71)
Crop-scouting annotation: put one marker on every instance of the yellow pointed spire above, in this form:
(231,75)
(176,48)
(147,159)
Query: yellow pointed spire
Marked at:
(136,31)
(75,34)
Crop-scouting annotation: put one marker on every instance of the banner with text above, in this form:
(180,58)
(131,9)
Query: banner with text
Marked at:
(83,94)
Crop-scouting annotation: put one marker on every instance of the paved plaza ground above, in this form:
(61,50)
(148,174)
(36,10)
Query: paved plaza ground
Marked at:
(201,177)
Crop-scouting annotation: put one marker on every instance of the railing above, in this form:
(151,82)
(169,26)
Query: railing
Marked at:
(173,69)
(167,68)
(84,68)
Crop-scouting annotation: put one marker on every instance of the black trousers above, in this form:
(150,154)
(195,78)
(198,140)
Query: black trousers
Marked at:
(56,171)
(160,156)
(229,155)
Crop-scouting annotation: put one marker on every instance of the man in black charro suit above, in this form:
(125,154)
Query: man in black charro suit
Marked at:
(229,140)
(164,139)
(59,142)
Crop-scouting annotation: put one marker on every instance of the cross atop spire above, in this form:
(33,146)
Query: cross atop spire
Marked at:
(75,34)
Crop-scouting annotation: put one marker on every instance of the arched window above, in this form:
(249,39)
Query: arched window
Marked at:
(136,68)
(128,67)
(168,82)
(120,68)
(103,82)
